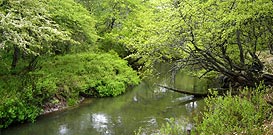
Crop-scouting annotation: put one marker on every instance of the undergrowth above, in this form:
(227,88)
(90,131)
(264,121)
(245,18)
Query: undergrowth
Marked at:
(236,114)
(69,76)
(246,113)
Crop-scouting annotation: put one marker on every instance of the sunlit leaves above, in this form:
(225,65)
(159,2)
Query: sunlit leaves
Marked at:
(149,32)
(75,18)
(28,26)
(227,30)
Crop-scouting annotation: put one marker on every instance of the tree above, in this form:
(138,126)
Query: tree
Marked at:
(76,19)
(27,30)
(111,16)
(140,31)
(221,36)
(227,36)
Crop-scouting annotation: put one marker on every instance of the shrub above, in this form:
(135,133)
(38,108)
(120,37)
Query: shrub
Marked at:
(240,114)
(66,76)
(173,128)
(92,74)
(18,103)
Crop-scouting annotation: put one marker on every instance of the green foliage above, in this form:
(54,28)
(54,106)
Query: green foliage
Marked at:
(214,35)
(28,26)
(91,74)
(226,36)
(42,28)
(149,32)
(20,102)
(74,18)
(138,132)
(138,30)
(44,87)
(110,16)
(68,76)
(27,31)
(172,128)
(16,110)
(240,114)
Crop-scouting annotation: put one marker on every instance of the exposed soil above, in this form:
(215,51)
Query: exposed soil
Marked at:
(57,103)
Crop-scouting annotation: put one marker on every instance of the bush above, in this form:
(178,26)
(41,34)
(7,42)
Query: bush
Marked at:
(16,110)
(240,114)
(92,74)
(173,128)
(18,103)
(22,96)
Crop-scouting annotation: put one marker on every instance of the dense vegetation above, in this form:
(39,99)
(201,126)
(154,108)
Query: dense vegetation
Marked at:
(59,50)
(49,57)
(240,114)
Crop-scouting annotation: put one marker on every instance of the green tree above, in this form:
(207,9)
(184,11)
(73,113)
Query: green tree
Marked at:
(227,36)
(148,35)
(111,16)
(28,31)
(76,19)
(221,36)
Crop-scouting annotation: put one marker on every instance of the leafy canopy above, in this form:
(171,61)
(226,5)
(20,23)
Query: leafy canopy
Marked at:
(28,26)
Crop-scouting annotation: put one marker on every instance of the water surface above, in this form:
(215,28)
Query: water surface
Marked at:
(147,106)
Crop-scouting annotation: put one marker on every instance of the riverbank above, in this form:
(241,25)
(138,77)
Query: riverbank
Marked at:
(145,105)
(58,104)
(246,113)
(60,82)
(249,112)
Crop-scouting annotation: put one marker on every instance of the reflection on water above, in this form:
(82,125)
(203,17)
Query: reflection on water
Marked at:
(183,99)
(135,98)
(152,122)
(147,106)
(191,106)
(63,129)
(160,89)
(100,122)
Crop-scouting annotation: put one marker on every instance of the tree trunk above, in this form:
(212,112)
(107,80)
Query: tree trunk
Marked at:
(15,58)
(238,38)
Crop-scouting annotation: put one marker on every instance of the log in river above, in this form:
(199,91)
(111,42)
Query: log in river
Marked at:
(220,91)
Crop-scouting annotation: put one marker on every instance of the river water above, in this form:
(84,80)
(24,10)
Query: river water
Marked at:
(144,107)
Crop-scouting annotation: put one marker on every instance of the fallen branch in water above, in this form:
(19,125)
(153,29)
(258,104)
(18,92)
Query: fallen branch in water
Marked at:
(185,92)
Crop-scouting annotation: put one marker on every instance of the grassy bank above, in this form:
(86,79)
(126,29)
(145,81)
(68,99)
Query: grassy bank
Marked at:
(62,80)
(245,113)
(248,113)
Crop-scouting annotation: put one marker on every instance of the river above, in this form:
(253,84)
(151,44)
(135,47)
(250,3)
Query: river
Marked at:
(144,107)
